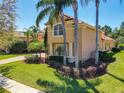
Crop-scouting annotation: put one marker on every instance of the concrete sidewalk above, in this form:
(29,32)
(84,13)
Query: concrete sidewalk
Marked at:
(15,87)
(4,61)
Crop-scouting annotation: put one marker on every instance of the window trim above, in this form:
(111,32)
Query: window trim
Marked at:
(53,30)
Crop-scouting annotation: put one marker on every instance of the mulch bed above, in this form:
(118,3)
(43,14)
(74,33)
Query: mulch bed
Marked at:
(87,70)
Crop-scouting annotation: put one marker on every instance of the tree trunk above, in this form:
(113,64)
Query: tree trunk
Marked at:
(75,8)
(28,40)
(64,36)
(97,33)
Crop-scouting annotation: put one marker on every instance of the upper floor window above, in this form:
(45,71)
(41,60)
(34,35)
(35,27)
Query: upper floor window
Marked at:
(58,31)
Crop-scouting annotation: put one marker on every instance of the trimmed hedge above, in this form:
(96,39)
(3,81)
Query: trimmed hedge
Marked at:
(58,59)
(106,57)
(103,56)
(19,47)
(2,53)
(33,59)
(115,50)
(121,46)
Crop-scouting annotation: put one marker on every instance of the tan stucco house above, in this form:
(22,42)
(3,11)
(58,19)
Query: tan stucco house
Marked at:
(22,36)
(87,36)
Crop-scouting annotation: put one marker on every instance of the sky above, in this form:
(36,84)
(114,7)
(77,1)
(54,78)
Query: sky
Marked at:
(111,13)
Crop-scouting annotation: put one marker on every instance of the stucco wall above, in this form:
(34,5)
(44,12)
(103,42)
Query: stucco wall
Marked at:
(87,38)
(88,42)
(56,39)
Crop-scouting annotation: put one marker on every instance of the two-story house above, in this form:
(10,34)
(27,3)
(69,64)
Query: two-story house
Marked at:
(86,38)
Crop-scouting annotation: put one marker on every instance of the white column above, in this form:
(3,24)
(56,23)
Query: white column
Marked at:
(104,46)
(70,49)
(71,59)
(51,49)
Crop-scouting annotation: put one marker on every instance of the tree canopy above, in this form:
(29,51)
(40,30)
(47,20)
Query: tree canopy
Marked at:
(107,29)
(7,23)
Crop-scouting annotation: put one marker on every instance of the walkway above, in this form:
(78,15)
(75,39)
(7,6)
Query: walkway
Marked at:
(4,61)
(15,87)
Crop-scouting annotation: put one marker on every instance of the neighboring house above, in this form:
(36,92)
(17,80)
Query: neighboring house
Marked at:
(107,43)
(22,36)
(87,39)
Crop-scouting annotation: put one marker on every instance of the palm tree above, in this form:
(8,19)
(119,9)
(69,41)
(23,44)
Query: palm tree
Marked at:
(27,34)
(97,32)
(75,9)
(97,2)
(34,32)
(118,35)
(54,8)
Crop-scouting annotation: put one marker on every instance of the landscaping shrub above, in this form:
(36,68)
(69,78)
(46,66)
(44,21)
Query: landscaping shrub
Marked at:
(2,53)
(102,69)
(89,62)
(115,50)
(56,59)
(91,71)
(106,57)
(121,46)
(76,72)
(102,55)
(67,70)
(83,73)
(33,59)
(35,47)
(18,47)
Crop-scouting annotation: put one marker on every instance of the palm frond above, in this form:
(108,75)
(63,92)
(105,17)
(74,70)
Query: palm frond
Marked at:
(104,0)
(84,3)
(54,15)
(51,6)
(61,4)
(42,14)
(44,3)
(66,3)
(121,1)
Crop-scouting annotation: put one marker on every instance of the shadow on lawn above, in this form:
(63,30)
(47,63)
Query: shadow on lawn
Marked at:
(2,90)
(120,79)
(69,85)
(5,70)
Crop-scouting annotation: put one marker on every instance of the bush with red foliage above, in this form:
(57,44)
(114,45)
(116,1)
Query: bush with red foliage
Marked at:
(88,70)
(76,73)
(67,70)
(91,71)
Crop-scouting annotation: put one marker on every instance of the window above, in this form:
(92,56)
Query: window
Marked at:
(58,49)
(58,31)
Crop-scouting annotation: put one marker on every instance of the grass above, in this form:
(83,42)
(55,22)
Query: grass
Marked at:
(2,90)
(45,78)
(5,56)
(8,56)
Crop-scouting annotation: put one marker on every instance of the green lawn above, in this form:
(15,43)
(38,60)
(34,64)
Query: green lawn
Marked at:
(45,78)
(10,56)
(2,90)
